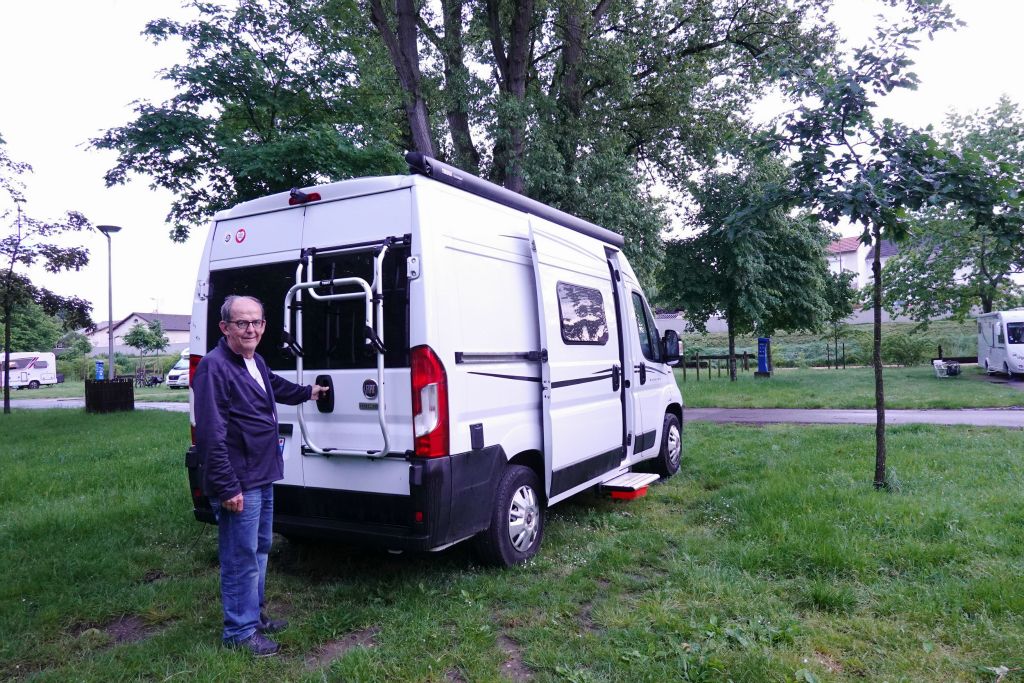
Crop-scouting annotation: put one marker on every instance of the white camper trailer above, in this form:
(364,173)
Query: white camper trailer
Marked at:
(30,370)
(488,356)
(1001,341)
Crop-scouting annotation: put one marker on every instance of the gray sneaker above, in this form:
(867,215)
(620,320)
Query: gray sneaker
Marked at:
(257,645)
(268,625)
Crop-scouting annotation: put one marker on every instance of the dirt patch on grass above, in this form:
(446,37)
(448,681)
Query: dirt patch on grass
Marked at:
(454,676)
(125,629)
(586,619)
(513,668)
(831,664)
(334,649)
(153,575)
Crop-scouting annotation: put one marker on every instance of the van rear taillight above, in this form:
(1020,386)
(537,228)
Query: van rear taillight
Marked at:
(193,363)
(429,403)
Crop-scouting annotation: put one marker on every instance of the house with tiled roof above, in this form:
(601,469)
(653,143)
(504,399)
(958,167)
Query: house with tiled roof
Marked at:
(849,254)
(176,328)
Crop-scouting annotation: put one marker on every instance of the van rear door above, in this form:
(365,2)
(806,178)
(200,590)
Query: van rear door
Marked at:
(582,374)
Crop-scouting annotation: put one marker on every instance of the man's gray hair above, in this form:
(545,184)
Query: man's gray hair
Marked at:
(225,309)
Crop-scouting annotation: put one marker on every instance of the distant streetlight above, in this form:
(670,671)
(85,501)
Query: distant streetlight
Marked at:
(108,230)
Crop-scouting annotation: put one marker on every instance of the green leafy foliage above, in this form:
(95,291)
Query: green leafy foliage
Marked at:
(762,271)
(147,338)
(961,256)
(73,345)
(32,329)
(272,96)
(905,349)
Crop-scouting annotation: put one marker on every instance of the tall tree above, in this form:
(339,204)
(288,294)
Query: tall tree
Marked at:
(964,254)
(271,96)
(553,99)
(851,166)
(28,241)
(762,271)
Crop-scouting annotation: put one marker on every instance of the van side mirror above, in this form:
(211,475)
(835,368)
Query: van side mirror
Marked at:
(670,346)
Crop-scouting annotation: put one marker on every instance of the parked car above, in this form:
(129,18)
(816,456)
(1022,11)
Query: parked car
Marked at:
(177,378)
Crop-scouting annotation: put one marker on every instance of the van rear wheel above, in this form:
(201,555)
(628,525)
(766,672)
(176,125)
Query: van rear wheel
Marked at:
(517,520)
(33,384)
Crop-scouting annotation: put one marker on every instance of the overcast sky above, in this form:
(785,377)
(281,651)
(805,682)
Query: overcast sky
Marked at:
(72,68)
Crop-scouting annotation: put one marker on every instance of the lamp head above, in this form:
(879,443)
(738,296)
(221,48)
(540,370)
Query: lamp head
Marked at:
(108,229)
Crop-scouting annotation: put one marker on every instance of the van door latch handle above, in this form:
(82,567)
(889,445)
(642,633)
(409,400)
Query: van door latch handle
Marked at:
(616,375)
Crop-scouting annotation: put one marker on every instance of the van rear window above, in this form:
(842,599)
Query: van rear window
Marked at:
(332,331)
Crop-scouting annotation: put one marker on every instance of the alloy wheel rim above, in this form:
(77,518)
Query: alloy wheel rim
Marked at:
(523,518)
(675,446)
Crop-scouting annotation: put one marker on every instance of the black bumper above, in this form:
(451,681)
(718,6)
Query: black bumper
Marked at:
(450,498)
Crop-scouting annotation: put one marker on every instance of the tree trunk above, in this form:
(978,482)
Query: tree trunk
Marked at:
(7,357)
(575,27)
(456,78)
(732,352)
(876,355)
(512,68)
(405,58)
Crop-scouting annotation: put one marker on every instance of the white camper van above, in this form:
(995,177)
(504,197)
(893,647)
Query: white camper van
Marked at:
(30,370)
(488,357)
(1001,341)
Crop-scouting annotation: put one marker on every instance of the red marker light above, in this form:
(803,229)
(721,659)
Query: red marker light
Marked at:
(299,197)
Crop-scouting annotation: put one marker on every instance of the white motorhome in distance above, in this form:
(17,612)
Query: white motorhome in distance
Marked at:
(30,370)
(488,356)
(1001,341)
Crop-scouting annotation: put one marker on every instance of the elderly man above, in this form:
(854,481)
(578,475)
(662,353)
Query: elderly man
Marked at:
(236,434)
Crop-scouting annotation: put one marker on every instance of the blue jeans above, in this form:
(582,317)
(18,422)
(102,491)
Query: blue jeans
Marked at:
(244,543)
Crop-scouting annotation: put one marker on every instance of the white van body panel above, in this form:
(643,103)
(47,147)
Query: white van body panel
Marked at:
(481,283)
(1001,341)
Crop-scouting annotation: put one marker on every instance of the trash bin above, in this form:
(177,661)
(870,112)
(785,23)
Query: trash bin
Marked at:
(109,396)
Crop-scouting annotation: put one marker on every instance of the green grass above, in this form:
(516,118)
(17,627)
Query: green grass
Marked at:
(76,389)
(768,557)
(802,349)
(914,387)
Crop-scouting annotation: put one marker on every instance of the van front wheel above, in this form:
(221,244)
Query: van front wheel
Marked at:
(517,520)
(671,454)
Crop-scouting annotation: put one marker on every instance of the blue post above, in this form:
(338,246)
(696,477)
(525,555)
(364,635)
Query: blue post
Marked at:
(764,361)
(99,370)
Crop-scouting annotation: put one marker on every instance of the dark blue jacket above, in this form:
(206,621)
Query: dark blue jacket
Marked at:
(236,422)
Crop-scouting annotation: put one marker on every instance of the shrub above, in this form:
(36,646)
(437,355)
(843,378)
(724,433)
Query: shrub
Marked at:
(904,349)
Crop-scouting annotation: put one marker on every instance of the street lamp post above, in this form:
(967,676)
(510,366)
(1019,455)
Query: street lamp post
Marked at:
(107,230)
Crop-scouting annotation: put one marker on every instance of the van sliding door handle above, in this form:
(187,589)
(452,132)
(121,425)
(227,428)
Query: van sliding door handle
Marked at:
(616,377)
(642,369)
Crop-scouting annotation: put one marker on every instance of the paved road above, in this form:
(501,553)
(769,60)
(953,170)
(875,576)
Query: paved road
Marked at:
(996,417)
(1012,418)
(80,403)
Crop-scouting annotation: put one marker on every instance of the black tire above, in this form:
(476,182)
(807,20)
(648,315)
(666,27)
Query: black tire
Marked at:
(517,520)
(671,454)
(33,384)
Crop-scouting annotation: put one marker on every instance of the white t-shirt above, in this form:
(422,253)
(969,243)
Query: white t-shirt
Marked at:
(250,365)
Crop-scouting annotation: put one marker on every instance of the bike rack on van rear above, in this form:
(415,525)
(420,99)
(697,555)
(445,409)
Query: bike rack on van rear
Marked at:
(372,296)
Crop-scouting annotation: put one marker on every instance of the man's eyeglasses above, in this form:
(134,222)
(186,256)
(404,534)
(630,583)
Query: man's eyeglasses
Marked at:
(243,325)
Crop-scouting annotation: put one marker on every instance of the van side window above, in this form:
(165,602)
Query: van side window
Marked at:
(1015,333)
(646,328)
(41,364)
(581,310)
(999,334)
